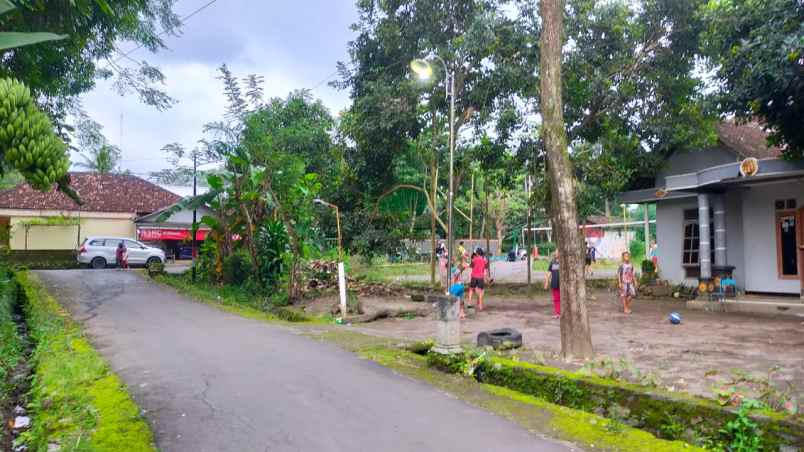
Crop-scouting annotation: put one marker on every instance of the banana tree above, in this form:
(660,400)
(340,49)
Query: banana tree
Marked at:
(13,39)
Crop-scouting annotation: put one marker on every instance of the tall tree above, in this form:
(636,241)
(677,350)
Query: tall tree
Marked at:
(756,49)
(576,335)
(93,30)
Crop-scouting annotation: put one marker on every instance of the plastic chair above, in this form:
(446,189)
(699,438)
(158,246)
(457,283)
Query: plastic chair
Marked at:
(720,292)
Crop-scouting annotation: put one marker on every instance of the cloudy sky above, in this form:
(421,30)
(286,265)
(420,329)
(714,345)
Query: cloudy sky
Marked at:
(294,44)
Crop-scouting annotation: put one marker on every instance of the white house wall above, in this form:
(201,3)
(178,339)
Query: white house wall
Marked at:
(669,239)
(759,236)
(735,253)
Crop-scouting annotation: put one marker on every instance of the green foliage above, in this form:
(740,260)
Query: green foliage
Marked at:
(75,398)
(10,340)
(155,269)
(10,39)
(741,434)
(93,30)
(756,49)
(648,266)
(272,249)
(27,139)
(637,250)
(236,269)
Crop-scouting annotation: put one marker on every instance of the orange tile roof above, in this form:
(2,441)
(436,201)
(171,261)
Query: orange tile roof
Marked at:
(122,193)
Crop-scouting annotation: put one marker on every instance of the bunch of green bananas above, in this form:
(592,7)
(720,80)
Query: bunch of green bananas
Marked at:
(27,140)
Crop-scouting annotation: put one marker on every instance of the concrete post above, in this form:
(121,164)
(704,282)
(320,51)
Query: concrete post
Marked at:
(719,211)
(448,325)
(704,246)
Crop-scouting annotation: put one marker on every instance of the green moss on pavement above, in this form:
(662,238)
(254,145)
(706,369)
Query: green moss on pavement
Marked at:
(75,400)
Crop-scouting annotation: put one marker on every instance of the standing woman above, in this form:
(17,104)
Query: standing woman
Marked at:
(551,280)
(478,282)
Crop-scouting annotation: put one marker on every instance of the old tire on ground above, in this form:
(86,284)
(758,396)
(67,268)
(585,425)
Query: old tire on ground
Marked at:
(98,263)
(500,339)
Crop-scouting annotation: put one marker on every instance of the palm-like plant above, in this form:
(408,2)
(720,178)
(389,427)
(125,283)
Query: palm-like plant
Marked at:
(104,159)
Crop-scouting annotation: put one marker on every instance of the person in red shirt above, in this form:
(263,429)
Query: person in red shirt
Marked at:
(478,281)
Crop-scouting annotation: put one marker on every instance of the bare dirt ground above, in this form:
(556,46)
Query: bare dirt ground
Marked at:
(702,354)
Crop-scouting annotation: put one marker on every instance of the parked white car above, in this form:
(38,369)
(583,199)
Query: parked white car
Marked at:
(100,252)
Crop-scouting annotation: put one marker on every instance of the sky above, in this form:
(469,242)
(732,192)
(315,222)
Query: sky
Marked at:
(293,44)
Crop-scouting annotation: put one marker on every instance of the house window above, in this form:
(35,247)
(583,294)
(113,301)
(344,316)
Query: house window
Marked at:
(690,257)
(786,258)
(785,204)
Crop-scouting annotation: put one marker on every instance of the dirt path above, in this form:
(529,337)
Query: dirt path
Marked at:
(695,356)
(213,381)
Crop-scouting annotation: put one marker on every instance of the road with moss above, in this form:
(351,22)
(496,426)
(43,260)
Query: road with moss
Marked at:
(209,380)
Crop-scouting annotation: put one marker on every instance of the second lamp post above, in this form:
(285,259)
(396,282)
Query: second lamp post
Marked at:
(424,70)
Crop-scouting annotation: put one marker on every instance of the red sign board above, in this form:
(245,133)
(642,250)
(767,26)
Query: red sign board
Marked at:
(150,235)
(594,233)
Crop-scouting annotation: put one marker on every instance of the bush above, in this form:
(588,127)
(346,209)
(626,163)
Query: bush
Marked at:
(272,247)
(546,248)
(236,268)
(155,268)
(637,249)
(648,267)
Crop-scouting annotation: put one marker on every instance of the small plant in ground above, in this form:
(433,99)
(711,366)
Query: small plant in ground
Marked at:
(742,384)
(742,434)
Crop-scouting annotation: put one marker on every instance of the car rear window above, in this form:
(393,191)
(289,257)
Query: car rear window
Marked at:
(96,243)
(112,242)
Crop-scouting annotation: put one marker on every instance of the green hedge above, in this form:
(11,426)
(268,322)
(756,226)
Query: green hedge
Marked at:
(668,415)
(75,400)
(10,341)
(41,259)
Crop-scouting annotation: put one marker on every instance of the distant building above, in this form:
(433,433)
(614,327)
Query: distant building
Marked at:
(35,220)
(736,209)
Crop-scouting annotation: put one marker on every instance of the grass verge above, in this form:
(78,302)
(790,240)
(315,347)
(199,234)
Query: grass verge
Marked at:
(76,401)
(235,300)
(538,416)
(389,272)
(10,341)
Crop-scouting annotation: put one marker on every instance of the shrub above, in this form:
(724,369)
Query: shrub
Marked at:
(236,268)
(546,248)
(637,249)
(155,268)
(648,267)
(272,247)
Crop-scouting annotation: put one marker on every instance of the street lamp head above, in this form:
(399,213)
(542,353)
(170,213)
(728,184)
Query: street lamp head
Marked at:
(422,68)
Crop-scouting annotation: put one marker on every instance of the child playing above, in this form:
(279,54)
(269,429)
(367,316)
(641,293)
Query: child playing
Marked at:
(477,283)
(457,291)
(551,280)
(626,281)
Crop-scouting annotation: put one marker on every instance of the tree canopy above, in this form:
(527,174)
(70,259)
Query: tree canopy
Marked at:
(756,49)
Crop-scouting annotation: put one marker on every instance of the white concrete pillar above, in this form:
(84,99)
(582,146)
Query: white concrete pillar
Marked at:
(704,246)
(719,222)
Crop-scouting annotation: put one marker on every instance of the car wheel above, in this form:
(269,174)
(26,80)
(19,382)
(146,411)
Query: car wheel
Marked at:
(153,260)
(98,263)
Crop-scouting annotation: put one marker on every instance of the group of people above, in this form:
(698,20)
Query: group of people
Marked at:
(479,276)
(626,282)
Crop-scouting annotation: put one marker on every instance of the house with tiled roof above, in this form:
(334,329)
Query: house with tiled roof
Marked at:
(733,212)
(36,220)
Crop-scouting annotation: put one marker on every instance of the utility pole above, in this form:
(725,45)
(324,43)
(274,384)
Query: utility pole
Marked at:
(528,244)
(195,211)
(647,232)
(472,207)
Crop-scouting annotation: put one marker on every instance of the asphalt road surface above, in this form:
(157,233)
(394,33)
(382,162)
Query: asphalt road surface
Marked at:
(213,381)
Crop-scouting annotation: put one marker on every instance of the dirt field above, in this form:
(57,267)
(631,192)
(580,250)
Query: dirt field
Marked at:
(698,356)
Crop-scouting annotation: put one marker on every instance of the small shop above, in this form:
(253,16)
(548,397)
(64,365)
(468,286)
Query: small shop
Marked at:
(174,233)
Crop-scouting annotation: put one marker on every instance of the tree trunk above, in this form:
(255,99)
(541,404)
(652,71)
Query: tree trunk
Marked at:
(576,336)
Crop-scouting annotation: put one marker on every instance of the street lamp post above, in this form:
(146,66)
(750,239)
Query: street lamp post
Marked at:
(341,268)
(424,70)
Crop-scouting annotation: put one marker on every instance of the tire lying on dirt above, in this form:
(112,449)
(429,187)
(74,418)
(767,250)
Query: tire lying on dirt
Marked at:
(500,339)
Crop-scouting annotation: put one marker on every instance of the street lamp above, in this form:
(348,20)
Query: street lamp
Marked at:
(341,269)
(424,70)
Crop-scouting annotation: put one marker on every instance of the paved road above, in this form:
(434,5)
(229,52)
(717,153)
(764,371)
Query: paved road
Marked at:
(213,381)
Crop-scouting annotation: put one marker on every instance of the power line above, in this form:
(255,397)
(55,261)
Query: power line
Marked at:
(183,20)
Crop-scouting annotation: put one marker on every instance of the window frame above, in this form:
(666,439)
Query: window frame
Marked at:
(688,220)
(777,226)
